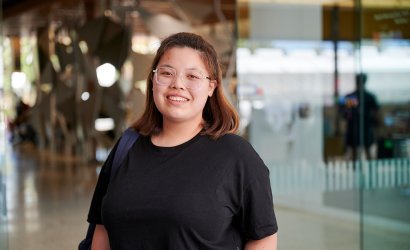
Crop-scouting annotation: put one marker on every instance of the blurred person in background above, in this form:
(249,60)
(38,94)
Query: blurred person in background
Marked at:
(20,127)
(360,137)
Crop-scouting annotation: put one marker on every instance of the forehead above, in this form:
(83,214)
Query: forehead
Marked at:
(182,57)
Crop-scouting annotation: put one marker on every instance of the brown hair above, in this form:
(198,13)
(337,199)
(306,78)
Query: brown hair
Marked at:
(219,115)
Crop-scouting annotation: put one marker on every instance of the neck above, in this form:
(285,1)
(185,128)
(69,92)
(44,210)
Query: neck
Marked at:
(174,134)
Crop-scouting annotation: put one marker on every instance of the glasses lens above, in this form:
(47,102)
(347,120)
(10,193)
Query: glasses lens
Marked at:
(165,76)
(193,78)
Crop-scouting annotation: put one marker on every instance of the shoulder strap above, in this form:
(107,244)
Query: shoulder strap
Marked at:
(128,139)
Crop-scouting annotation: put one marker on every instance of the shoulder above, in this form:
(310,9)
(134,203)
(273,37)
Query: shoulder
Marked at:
(371,100)
(241,159)
(238,148)
(233,140)
(372,96)
(351,94)
(234,143)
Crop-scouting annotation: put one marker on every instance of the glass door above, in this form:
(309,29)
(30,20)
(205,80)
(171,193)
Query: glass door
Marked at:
(385,127)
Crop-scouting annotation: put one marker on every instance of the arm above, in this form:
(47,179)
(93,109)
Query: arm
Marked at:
(267,243)
(100,239)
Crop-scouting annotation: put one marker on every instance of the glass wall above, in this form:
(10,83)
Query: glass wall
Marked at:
(339,166)
(385,57)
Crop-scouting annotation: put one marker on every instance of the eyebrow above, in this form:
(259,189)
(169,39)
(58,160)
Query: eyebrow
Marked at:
(169,66)
(166,65)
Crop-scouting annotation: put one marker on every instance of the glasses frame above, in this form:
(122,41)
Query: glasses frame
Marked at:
(155,71)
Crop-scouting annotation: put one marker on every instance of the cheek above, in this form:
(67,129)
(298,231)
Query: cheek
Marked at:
(201,99)
(158,90)
(157,95)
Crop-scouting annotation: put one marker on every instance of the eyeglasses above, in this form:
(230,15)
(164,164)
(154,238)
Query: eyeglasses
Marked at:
(192,78)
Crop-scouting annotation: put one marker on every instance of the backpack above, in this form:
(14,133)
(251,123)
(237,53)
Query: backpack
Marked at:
(128,139)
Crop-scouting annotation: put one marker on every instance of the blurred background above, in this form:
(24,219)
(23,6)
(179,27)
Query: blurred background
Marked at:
(322,88)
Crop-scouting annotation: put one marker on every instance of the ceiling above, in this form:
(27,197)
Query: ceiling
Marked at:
(21,17)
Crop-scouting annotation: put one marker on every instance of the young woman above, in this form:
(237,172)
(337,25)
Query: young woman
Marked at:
(188,182)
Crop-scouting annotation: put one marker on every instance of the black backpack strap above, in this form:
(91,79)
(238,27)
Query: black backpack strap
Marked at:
(85,244)
(128,139)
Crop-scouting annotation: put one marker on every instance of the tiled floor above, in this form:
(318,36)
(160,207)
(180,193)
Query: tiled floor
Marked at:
(48,199)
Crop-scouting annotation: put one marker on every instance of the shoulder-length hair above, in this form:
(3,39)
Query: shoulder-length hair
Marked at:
(219,116)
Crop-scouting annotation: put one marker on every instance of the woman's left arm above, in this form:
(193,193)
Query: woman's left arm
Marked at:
(267,243)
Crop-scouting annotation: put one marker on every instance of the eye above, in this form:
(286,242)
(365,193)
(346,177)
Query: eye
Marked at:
(166,72)
(193,76)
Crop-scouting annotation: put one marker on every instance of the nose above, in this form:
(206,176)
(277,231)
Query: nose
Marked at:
(178,82)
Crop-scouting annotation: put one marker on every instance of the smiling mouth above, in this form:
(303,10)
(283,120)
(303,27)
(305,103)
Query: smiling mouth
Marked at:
(177,99)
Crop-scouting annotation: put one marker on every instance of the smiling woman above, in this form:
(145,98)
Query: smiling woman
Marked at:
(188,182)
(182,99)
(219,116)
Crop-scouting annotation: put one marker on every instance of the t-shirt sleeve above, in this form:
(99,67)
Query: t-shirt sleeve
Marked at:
(258,217)
(94,214)
(257,212)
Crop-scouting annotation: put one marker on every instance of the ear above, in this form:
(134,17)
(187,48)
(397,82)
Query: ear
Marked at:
(212,86)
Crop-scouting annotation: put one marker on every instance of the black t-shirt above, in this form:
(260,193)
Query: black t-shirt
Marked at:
(352,114)
(202,194)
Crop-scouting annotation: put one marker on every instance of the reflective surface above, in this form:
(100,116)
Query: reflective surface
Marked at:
(47,199)
(387,40)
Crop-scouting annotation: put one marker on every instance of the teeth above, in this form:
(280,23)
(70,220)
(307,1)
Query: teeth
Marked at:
(177,98)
